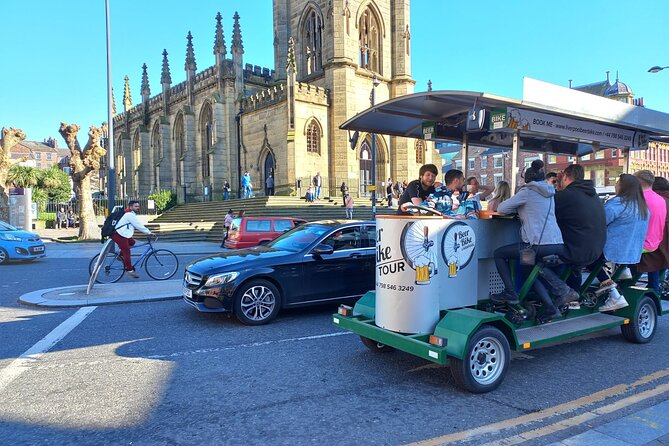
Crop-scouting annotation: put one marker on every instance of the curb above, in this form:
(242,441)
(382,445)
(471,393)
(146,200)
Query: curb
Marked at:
(39,298)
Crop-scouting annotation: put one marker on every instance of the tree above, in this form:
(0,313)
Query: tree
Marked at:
(83,163)
(23,176)
(55,183)
(10,137)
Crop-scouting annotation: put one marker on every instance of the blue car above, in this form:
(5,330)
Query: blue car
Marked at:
(19,245)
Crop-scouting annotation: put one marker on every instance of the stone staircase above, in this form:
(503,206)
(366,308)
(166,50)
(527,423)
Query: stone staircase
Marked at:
(204,221)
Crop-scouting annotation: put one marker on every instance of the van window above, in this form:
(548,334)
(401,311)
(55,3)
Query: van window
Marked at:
(236,222)
(258,226)
(282,225)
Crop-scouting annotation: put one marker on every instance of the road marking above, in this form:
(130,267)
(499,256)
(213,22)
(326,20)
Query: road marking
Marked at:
(580,419)
(254,344)
(560,409)
(24,362)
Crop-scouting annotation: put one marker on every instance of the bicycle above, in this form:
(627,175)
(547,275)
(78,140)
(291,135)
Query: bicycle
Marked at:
(159,264)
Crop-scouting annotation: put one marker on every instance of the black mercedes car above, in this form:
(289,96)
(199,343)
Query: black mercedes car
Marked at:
(318,262)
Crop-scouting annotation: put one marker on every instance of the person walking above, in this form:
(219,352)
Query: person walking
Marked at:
(123,233)
(389,192)
(269,185)
(318,182)
(344,190)
(247,186)
(348,202)
(226,190)
(226,224)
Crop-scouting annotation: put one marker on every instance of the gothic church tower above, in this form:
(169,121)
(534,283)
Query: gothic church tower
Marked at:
(341,45)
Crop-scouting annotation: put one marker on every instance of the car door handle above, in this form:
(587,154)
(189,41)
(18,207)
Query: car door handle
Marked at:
(356,255)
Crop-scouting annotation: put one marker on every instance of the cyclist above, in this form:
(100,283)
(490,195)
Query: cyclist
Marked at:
(124,230)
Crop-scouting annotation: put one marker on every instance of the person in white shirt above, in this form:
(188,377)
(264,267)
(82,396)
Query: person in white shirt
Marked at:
(125,229)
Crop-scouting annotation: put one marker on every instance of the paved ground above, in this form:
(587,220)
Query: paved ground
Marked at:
(162,373)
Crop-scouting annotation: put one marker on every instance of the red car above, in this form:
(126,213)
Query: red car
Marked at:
(252,231)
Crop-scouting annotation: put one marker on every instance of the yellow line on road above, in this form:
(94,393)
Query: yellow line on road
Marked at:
(560,409)
(580,419)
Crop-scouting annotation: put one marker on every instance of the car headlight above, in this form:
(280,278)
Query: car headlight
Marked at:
(10,237)
(220,279)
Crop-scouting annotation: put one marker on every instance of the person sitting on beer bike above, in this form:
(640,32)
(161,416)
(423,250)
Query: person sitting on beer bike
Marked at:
(539,231)
(418,190)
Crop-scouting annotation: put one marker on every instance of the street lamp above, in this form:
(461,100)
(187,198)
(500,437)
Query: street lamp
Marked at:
(656,69)
(238,119)
(109,146)
(375,83)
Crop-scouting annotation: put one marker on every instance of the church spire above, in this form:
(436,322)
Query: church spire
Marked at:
(165,77)
(146,90)
(219,40)
(237,36)
(127,98)
(290,66)
(190,54)
(113,104)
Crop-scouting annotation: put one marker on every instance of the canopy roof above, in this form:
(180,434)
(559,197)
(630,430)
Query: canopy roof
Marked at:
(450,110)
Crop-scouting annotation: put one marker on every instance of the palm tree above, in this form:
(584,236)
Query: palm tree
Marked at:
(23,176)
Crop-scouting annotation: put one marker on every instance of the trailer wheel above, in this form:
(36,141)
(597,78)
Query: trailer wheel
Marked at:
(485,363)
(376,346)
(641,328)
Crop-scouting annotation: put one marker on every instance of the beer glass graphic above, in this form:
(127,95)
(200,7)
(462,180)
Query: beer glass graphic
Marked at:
(423,268)
(452,267)
(514,119)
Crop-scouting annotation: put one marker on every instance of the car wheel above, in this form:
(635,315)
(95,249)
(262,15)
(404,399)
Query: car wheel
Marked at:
(257,302)
(641,328)
(485,363)
(3,256)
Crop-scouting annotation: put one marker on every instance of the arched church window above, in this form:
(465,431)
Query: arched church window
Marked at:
(157,145)
(179,138)
(420,151)
(370,41)
(313,137)
(136,161)
(312,34)
(207,139)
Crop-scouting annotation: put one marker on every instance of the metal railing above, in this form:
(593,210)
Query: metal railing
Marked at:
(99,205)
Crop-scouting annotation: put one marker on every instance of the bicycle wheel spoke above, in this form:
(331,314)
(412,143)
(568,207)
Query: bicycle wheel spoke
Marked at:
(161,264)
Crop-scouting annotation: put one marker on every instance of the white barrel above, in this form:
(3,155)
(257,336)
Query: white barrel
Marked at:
(407,268)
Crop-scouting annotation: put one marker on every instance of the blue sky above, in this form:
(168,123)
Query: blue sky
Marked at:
(54,60)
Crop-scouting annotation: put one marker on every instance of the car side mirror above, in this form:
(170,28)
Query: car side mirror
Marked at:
(323,250)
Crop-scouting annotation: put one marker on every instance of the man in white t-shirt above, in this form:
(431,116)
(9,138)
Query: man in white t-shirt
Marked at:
(125,229)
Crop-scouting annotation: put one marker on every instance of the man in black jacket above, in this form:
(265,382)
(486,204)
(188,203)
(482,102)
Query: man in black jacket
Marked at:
(582,221)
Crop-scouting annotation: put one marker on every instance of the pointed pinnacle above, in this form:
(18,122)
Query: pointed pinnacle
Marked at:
(146,90)
(219,40)
(165,77)
(237,35)
(190,54)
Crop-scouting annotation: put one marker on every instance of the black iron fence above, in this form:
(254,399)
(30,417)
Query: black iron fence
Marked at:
(100,206)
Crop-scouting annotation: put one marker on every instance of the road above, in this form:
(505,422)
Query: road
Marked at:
(162,373)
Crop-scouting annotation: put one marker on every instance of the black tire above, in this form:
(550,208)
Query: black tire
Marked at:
(376,346)
(485,362)
(4,257)
(111,270)
(161,264)
(257,302)
(642,327)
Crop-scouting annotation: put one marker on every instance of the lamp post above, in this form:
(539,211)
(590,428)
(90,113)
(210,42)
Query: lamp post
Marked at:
(238,119)
(375,83)
(109,146)
(656,69)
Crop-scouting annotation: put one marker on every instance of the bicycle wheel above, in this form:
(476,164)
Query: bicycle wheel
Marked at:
(161,264)
(112,268)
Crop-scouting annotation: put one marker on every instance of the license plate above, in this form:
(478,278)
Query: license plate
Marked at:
(38,248)
(188,293)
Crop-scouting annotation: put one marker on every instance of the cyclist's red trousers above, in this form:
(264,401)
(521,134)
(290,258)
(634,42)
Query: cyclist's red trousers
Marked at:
(124,244)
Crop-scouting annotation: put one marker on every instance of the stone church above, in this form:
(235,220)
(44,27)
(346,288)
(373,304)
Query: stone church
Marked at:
(235,116)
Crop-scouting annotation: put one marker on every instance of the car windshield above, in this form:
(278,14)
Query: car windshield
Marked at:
(6,227)
(299,237)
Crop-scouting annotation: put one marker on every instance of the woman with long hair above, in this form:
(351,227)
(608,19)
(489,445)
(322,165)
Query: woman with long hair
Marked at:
(501,193)
(627,218)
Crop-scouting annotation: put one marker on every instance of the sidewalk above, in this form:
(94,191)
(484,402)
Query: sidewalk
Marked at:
(105,294)
(648,427)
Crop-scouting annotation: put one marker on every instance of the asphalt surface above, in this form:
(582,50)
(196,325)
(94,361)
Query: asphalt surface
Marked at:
(162,373)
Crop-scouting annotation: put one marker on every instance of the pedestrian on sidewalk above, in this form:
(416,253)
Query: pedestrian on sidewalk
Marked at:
(226,190)
(123,232)
(247,186)
(348,202)
(318,182)
(226,224)
(269,185)
(389,192)
(344,190)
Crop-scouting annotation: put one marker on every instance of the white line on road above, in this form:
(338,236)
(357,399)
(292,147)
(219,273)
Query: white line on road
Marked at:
(24,362)
(254,344)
